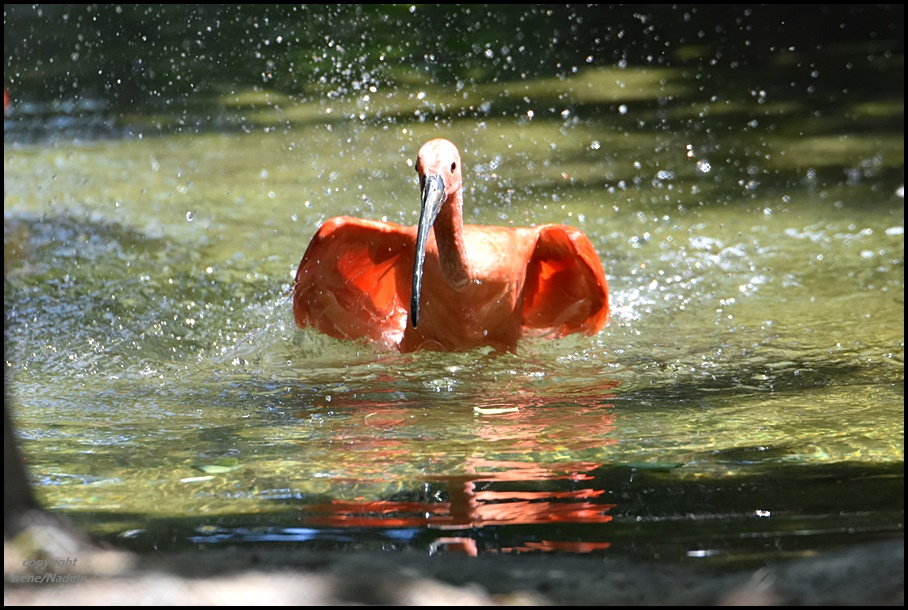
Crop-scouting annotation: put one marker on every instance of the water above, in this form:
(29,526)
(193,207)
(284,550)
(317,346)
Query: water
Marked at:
(744,402)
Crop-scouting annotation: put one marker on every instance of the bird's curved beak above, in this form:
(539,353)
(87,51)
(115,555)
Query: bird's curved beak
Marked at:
(433,196)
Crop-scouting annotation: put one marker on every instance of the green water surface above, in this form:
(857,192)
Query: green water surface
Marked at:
(745,399)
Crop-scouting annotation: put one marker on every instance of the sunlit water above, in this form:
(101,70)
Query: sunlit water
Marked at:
(745,399)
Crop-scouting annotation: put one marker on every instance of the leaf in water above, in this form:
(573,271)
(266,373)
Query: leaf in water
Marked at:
(195,479)
(219,467)
(483,411)
(651,465)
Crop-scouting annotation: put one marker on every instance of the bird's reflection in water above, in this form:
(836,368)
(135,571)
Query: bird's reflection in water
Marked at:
(519,473)
(497,494)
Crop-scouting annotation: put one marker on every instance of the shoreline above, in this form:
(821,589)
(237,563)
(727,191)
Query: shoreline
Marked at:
(871,574)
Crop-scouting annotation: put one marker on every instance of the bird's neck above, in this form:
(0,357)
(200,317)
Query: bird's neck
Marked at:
(452,252)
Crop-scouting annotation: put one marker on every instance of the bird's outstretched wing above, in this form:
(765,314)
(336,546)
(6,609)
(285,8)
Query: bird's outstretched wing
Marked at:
(565,291)
(354,280)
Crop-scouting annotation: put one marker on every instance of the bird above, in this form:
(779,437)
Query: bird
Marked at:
(445,286)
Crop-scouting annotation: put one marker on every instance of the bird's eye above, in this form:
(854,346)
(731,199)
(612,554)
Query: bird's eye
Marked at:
(453,166)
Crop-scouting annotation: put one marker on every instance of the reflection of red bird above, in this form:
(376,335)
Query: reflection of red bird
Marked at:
(460,286)
(470,508)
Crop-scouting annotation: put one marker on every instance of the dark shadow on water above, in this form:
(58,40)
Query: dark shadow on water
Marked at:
(96,71)
(165,55)
(641,512)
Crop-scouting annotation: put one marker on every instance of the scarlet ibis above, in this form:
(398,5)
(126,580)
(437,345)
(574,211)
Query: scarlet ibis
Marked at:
(443,285)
